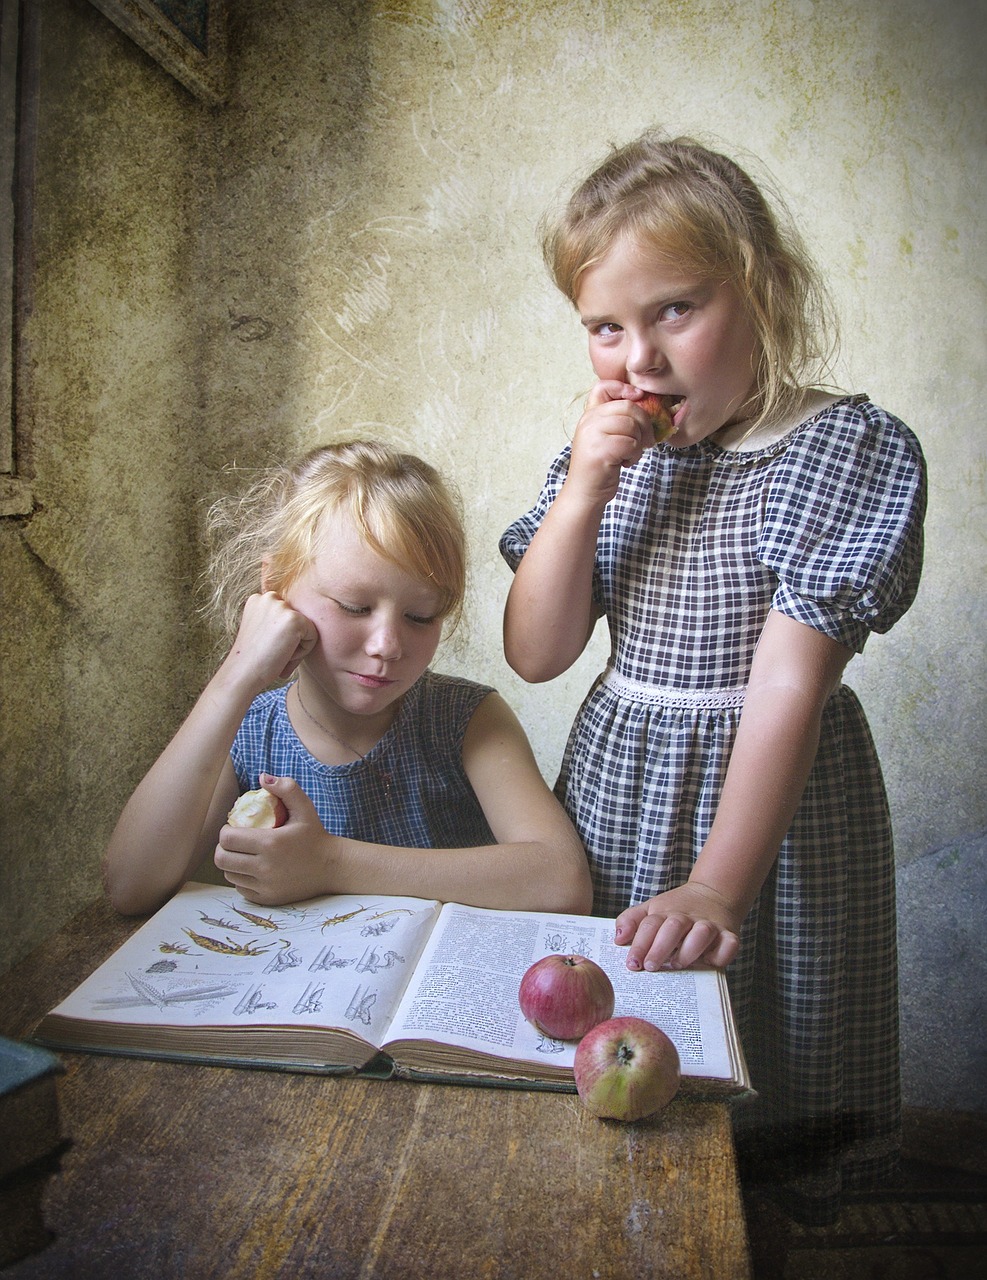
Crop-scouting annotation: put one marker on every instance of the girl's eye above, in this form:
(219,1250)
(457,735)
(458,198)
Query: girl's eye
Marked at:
(605,330)
(423,622)
(354,610)
(676,310)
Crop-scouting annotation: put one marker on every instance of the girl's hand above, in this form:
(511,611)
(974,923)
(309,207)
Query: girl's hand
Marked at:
(274,866)
(271,641)
(685,926)
(613,433)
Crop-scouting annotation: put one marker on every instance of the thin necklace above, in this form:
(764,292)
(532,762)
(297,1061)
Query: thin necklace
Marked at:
(384,776)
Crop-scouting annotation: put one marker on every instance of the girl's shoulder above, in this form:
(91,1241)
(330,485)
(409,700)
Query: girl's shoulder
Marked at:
(851,454)
(831,422)
(857,417)
(437,710)
(434,688)
(268,705)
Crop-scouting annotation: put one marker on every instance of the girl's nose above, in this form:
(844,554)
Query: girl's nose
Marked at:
(643,354)
(384,640)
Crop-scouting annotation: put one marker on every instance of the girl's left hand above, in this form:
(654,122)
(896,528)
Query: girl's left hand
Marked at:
(688,925)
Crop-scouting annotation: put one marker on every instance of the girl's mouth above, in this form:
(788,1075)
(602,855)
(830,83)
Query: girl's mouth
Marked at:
(372,682)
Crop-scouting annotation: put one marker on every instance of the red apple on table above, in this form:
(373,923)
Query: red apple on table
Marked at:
(258,809)
(564,996)
(626,1069)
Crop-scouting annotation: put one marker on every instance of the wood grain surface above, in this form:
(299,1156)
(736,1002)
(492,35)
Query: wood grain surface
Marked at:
(185,1170)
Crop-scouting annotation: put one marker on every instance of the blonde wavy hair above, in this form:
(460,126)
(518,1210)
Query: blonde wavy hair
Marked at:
(399,503)
(700,212)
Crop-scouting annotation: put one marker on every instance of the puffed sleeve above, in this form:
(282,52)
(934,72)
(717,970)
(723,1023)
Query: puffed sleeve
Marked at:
(843,523)
(515,540)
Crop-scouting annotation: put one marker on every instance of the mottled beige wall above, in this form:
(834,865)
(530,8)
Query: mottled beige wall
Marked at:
(350,246)
(96,632)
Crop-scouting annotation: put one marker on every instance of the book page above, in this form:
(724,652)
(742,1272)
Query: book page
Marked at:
(210,959)
(465,990)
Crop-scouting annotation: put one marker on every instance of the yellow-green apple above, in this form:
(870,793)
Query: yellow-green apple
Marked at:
(625,1069)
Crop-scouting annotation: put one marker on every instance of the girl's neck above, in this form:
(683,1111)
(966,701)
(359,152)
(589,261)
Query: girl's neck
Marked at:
(329,733)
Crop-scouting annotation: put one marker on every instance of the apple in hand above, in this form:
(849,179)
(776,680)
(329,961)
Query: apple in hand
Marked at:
(258,809)
(660,410)
(626,1069)
(564,996)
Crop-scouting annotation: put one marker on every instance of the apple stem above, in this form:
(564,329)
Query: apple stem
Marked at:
(625,1054)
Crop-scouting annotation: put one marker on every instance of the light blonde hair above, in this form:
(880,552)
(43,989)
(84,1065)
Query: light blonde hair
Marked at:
(697,210)
(400,505)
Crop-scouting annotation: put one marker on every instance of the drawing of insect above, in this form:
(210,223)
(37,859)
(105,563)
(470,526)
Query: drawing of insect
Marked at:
(333,920)
(219,924)
(262,922)
(173,948)
(229,947)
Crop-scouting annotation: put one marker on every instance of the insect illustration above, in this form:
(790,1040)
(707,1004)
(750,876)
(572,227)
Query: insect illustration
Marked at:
(261,922)
(227,948)
(173,948)
(394,911)
(218,924)
(340,919)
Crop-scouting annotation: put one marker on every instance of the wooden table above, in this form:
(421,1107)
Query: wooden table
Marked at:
(189,1171)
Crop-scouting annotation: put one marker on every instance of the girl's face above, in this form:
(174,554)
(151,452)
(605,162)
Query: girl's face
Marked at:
(378,627)
(671,334)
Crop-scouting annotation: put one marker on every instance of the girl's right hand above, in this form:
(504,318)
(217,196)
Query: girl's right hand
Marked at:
(613,433)
(271,641)
(274,865)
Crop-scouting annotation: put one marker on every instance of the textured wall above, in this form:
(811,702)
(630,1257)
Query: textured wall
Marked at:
(350,246)
(95,612)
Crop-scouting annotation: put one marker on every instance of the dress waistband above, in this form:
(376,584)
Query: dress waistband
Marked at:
(686,699)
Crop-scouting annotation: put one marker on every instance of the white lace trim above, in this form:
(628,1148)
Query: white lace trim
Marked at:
(687,699)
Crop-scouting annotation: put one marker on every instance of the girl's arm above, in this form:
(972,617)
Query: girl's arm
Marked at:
(537,864)
(172,820)
(795,669)
(550,614)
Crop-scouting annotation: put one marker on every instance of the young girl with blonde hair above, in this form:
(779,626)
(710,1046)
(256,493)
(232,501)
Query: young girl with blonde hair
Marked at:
(720,774)
(339,572)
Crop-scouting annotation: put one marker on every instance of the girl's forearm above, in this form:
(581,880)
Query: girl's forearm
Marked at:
(793,674)
(550,614)
(766,777)
(159,837)
(526,876)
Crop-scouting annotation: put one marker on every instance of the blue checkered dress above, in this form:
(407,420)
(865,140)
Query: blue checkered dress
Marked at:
(410,790)
(699,543)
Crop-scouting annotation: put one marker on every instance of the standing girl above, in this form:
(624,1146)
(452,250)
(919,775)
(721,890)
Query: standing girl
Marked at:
(721,776)
(341,571)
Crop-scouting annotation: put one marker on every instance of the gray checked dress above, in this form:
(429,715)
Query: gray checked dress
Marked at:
(699,543)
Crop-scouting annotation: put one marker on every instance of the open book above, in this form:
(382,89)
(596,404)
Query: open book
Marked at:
(396,986)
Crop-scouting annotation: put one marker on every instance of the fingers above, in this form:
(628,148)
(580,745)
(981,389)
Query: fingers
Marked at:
(677,941)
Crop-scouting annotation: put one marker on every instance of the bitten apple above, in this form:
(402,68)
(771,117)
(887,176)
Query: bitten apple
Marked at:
(258,809)
(626,1069)
(660,409)
(564,996)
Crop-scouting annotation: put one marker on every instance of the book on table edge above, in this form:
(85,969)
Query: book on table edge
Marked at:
(30,1122)
(382,986)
